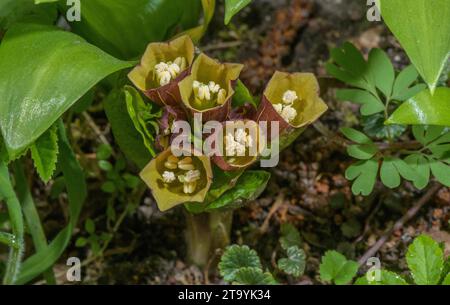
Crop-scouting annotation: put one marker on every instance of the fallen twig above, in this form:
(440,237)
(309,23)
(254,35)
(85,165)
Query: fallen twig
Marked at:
(405,218)
(374,197)
(222,45)
(95,128)
(278,203)
(382,146)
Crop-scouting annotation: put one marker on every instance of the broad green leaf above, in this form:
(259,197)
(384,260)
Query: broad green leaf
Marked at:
(425,259)
(223,181)
(420,165)
(45,153)
(423,29)
(295,263)
(123,28)
(236,257)
(389,174)
(12,11)
(232,7)
(382,70)
(43,72)
(254,276)
(363,151)
(242,95)
(139,111)
(386,278)
(248,187)
(441,171)
(370,104)
(77,192)
(364,173)
(355,135)
(424,109)
(290,236)
(446,280)
(336,268)
(125,134)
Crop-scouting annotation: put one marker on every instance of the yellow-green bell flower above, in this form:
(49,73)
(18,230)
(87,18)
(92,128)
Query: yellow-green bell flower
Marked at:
(291,99)
(209,88)
(177,180)
(162,66)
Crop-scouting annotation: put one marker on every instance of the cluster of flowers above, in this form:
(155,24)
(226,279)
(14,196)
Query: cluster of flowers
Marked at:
(171,76)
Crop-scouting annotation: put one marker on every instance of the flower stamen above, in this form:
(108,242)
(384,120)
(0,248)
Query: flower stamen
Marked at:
(208,92)
(237,144)
(286,109)
(167,71)
(289,97)
(187,174)
(168,177)
(186,164)
(171,162)
(189,181)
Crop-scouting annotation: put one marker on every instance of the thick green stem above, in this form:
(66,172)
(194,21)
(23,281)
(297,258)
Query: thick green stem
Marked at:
(31,215)
(16,220)
(205,233)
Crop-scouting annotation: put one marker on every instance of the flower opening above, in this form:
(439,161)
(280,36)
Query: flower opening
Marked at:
(165,72)
(162,66)
(176,180)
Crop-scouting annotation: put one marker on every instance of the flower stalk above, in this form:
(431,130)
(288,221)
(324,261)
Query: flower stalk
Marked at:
(205,233)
